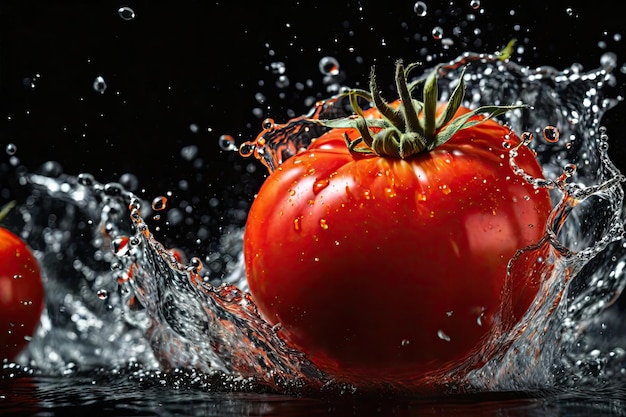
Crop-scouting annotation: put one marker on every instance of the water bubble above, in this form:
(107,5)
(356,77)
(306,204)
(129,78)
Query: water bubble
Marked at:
(11,149)
(99,84)
(129,181)
(420,8)
(551,134)
(227,143)
(437,32)
(329,65)
(159,203)
(126,13)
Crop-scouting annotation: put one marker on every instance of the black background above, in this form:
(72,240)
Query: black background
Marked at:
(201,63)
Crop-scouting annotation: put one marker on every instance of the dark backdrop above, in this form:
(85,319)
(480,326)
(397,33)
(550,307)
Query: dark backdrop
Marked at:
(183,73)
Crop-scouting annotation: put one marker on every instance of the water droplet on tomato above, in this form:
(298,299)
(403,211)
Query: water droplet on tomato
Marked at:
(126,13)
(17,276)
(551,134)
(324,224)
(420,8)
(479,319)
(297,224)
(159,203)
(319,185)
(527,137)
(390,192)
(441,334)
(405,342)
(227,143)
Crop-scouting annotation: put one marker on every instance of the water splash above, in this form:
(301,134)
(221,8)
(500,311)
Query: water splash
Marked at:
(119,299)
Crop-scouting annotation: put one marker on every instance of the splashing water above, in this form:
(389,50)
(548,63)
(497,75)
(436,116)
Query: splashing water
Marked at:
(120,301)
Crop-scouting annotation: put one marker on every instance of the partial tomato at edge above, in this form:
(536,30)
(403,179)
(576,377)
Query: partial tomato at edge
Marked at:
(21,294)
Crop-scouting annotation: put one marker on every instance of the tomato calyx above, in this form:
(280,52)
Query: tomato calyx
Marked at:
(413,126)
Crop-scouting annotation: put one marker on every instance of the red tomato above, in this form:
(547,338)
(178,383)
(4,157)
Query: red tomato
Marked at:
(387,269)
(21,295)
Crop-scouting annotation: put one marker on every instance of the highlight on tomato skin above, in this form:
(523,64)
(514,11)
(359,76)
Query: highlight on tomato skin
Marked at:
(21,295)
(382,249)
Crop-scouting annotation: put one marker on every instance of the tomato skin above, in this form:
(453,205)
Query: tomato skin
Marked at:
(389,270)
(21,295)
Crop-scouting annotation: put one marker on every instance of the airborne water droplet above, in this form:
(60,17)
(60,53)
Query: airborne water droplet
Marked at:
(11,149)
(102,294)
(227,143)
(126,13)
(329,65)
(159,203)
(437,32)
(551,134)
(99,84)
(420,8)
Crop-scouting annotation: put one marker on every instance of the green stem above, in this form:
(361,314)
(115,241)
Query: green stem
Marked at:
(6,209)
